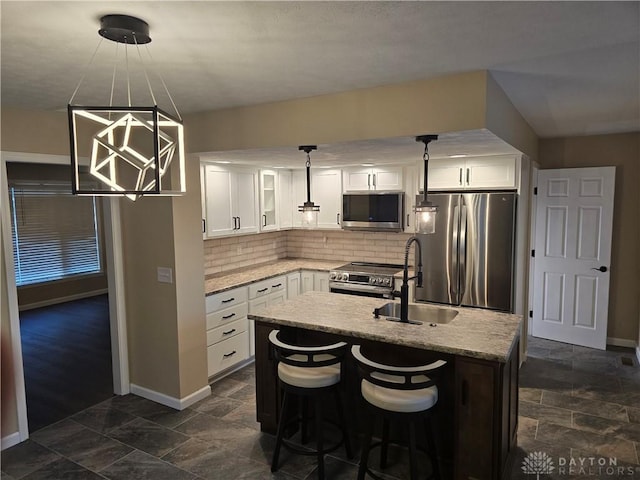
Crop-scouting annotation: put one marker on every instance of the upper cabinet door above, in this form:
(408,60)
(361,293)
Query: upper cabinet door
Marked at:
(491,173)
(268,200)
(285,199)
(388,178)
(326,191)
(357,179)
(230,201)
(473,173)
(217,193)
(378,178)
(245,202)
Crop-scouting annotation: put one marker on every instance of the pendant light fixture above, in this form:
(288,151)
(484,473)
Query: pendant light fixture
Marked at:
(309,209)
(425,210)
(132,150)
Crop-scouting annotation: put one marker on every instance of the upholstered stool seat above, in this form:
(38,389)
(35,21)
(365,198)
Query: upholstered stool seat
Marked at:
(310,373)
(403,395)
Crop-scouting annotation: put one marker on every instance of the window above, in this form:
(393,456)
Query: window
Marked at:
(55,234)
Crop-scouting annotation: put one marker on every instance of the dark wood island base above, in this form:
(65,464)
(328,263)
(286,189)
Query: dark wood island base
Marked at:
(477,411)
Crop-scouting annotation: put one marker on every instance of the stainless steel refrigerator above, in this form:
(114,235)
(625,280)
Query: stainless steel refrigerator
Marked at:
(469,259)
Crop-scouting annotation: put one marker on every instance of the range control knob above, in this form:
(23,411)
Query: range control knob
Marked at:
(373,280)
(343,277)
(332,275)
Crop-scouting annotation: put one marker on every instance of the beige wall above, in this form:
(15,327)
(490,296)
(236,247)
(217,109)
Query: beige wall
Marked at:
(623,152)
(444,104)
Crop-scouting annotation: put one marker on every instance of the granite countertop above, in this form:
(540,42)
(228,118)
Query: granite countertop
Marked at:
(244,276)
(475,333)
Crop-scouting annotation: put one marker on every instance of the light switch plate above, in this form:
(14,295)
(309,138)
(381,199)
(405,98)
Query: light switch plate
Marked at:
(165,275)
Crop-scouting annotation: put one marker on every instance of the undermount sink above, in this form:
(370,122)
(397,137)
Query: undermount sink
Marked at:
(417,313)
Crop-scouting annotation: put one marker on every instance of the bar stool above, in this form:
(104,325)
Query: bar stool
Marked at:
(402,395)
(311,373)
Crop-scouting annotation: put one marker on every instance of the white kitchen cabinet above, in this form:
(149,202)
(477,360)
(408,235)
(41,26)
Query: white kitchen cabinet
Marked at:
(472,173)
(378,178)
(326,191)
(264,294)
(227,325)
(294,285)
(314,281)
(285,200)
(231,201)
(268,200)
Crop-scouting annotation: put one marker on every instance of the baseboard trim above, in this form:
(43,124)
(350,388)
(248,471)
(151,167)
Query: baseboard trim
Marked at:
(10,440)
(621,342)
(68,298)
(173,402)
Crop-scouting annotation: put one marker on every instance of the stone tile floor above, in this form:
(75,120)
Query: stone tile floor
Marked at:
(576,405)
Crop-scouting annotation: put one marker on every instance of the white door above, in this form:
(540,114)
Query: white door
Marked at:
(245,205)
(388,178)
(218,193)
(573,221)
(357,179)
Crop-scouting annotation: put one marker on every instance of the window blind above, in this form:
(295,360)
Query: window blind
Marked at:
(55,234)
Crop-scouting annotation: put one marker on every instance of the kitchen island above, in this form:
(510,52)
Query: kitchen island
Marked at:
(478,390)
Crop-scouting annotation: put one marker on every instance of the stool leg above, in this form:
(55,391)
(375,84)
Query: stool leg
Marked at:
(384,447)
(433,449)
(280,432)
(304,405)
(343,425)
(413,461)
(319,435)
(366,446)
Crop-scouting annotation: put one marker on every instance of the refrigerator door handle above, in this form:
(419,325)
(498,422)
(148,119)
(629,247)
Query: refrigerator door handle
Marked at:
(462,253)
(453,282)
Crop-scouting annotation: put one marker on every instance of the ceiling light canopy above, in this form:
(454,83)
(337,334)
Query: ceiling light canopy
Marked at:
(132,150)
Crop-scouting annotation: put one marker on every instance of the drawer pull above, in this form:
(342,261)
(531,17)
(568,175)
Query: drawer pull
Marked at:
(225,317)
(276,285)
(228,300)
(229,332)
(263,290)
(227,355)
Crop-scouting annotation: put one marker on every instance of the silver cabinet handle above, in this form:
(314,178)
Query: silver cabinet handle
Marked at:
(408,215)
(374,180)
(468,176)
(338,218)
(238,223)
(369,180)
(264,220)
(460,179)
(204,226)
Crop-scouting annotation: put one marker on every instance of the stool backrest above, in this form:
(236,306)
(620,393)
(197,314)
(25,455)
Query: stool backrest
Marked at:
(398,378)
(307,356)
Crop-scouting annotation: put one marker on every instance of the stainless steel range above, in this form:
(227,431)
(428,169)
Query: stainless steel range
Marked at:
(365,279)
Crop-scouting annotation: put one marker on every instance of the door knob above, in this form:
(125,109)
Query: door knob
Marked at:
(602,269)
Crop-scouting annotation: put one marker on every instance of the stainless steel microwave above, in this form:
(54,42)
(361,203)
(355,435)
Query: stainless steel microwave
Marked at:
(373,211)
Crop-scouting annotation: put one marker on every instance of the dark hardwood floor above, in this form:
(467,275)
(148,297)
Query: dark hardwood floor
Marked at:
(66,351)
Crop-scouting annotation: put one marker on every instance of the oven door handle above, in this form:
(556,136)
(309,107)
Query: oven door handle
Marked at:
(354,287)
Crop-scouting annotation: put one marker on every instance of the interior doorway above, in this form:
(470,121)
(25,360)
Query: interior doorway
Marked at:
(66,351)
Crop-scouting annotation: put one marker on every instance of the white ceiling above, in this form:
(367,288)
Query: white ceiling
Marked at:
(570,68)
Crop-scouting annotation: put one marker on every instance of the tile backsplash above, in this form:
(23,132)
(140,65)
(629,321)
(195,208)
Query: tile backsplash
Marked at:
(226,254)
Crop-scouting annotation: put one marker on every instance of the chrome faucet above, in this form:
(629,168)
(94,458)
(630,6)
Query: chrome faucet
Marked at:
(404,288)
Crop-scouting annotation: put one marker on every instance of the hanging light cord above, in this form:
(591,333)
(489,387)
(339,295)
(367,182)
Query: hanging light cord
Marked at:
(144,69)
(165,86)
(308,165)
(425,158)
(86,70)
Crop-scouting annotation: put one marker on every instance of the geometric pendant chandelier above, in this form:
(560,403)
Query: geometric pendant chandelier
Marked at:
(126,150)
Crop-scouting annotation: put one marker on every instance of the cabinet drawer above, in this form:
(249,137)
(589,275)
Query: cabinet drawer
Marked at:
(228,330)
(227,353)
(265,287)
(226,299)
(231,314)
